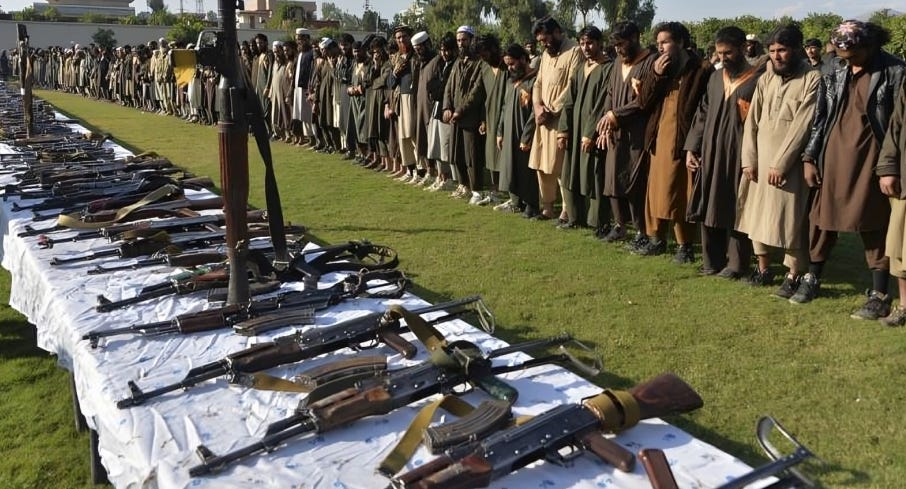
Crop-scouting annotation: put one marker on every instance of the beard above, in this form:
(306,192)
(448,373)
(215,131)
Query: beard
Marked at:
(554,48)
(786,68)
(516,74)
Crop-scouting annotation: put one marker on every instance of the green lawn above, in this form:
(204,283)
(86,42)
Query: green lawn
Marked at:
(830,379)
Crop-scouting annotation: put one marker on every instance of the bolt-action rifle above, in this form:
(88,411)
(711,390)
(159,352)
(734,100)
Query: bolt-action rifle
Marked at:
(393,285)
(346,400)
(359,334)
(576,426)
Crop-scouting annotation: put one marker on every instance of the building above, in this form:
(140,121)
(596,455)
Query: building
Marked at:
(78,8)
(258,12)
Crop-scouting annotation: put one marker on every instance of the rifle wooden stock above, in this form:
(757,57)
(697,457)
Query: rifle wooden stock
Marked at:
(657,468)
(163,209)
(211,319)
(664,395)
(472,471)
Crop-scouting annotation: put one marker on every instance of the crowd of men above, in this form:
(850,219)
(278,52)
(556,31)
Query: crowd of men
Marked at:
(748,151)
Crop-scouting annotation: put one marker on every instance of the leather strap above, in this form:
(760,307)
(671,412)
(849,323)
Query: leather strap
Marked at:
(410,440)
(75,221)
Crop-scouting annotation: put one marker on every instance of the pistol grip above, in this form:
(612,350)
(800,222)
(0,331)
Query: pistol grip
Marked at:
(398,343)
(608,451)
(657,468)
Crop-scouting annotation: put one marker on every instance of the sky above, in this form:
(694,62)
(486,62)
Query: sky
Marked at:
(666,9)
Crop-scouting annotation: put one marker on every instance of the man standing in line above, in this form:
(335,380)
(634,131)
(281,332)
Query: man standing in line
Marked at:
(261,71)
(464,100)
(555,71)
(892,163)
(515,130)
(856,100)
(672,90)
(583,105)
(403,82)
(494,78)
(712,154)
(345,65)
(773,195)
(301,113)
(429,67)
(622,132)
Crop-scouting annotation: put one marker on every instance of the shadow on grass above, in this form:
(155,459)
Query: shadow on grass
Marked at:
(18,340)
(448,230)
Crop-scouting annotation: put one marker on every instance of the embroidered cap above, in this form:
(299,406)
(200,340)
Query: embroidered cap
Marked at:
(419,38)
(849,34)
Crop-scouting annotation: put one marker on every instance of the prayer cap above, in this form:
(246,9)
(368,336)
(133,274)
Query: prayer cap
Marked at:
(301,31)
(466,29)
(325,43)
(419,38)
(751,37)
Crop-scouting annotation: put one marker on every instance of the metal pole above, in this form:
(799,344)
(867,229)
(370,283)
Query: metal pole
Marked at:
(234,165)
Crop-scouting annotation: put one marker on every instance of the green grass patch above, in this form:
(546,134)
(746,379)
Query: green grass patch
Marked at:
(833,381)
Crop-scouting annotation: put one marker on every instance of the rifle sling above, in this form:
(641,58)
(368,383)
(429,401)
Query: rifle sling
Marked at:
(410,440)
(314,377)
(428,335)
(271,191)
(74,220)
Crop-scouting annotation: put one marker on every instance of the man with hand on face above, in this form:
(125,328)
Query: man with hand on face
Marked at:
(555,71)
(583,105)
(856,100)
(622,132)
(464,99)
(773,195)
(672,89)
(712,155)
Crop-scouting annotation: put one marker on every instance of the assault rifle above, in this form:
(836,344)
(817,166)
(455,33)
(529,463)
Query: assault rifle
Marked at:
(232,314)
(359,334)
(160,242)
(107,212)
(145,228)
(576,426)
(343,401)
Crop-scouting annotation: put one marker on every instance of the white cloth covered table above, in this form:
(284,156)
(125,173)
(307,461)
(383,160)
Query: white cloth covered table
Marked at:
(153,445)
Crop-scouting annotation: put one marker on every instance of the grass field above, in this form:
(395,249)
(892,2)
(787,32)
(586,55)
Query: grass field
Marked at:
(830,379)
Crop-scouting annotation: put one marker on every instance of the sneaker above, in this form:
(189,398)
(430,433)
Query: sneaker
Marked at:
(649,247)
(807,290)
(788,287)
(877,306)
(459,192)
(444,186)
(417,179)
(761,278)
(567,224)
(638,242)
(729,274)
(477,199)
(617,233)
(896,318)
(602,232)
(706,271)
(488,199)
(507,206)
(684,254)
(427,182)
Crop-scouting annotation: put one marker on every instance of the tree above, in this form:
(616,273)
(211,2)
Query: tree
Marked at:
(819,26)
(642,13)
(515,19)
(132,20)
(186,29)
(51,14)
(161,17)
(212,17)
(27,13)
(283,17)
(157,6)
(445,15)
(89,18)
(584,7)
(104,38)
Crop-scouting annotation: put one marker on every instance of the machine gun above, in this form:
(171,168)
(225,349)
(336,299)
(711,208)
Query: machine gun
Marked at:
(576,426)
(233,314)
(346,400)
(359,334)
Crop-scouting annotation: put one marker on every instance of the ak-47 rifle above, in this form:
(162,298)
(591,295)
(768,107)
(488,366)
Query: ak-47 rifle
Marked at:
(146,228)
(343,401)
(359,334)
(106,213)
(576,426)
(393,284)
(160,242)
